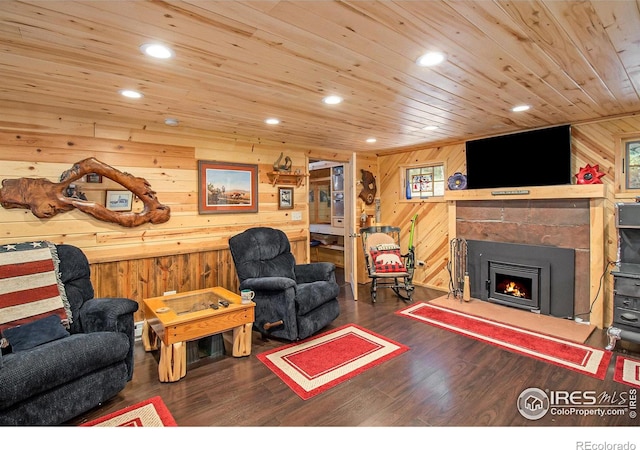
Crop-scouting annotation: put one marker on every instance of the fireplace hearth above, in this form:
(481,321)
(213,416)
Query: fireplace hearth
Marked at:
(531,277)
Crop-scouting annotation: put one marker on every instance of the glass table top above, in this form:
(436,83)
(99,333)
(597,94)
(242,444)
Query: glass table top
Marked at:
(193,302)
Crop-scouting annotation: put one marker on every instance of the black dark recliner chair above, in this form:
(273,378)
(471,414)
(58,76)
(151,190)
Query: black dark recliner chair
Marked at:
(58,380)
(293,301)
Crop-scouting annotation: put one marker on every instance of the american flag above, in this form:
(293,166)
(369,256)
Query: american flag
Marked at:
(29,284)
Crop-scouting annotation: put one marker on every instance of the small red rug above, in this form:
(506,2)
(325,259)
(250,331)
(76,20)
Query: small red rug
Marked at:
(149,413)
(570,355)
(627,371)
(318,363)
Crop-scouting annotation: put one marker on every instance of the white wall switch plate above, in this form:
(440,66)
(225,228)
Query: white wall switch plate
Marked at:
(138,330)
(169,293)
(296,215)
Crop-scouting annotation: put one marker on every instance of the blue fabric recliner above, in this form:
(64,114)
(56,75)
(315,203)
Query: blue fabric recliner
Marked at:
(293,301)
(55,381)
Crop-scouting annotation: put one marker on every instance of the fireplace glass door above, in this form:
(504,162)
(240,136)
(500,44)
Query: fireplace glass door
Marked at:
(514,285)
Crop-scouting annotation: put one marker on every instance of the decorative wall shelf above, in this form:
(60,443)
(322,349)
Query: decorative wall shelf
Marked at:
(287,178)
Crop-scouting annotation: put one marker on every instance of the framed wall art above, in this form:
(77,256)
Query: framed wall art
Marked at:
(285,198)
(93,178)
(227,187)
(119,200)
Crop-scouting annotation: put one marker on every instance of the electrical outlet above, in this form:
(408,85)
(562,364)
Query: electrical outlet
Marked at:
(138,330)
(169,293)
(296,215)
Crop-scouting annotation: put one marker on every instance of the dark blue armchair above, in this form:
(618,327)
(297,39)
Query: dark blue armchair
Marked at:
(293,301)
(58,380)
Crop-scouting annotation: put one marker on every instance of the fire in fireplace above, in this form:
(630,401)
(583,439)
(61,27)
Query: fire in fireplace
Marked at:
(513,287)
(532,277)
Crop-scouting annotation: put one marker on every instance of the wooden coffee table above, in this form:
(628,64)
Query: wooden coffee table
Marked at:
(178,318)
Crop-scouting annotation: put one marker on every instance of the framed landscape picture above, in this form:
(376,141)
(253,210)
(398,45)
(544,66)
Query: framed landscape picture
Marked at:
(227,187)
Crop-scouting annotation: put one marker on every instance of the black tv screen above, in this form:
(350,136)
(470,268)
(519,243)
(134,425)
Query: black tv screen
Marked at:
(530,158)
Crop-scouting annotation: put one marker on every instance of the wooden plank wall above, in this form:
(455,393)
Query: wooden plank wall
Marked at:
(431,238)
(593,143)
(190,251)
(596,143)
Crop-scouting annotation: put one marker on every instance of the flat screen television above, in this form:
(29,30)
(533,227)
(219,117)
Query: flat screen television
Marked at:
(531,158)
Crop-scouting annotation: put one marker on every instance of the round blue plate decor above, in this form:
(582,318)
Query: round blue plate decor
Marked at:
(457,181)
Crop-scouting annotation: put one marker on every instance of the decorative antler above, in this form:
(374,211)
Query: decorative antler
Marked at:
(45,199)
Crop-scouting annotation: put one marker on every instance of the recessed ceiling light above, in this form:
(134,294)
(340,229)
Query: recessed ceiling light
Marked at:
(520,108)
(272,121)
(332,100)
(171,122)
(157,51)
(371,140)
(430,128)
(430,59)
(130,93)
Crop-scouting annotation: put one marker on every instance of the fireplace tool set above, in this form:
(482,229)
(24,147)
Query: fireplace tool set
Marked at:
(458,273)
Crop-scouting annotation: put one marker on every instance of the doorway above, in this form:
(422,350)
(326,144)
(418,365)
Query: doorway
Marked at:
(331,205)
(326,211)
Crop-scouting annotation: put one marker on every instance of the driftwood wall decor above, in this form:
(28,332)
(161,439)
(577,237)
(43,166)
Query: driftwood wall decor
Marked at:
(45,199)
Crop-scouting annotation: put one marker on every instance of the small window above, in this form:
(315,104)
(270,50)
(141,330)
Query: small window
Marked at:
(632,159)
(424,181)
(628,164)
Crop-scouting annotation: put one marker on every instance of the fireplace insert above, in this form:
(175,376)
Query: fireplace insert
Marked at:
(533,277)
(514,285)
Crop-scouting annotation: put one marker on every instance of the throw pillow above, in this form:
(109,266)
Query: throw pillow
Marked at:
(30,285)
(386,261)
(32,334)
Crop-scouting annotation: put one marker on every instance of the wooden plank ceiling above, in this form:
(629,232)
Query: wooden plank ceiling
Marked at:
(239,62)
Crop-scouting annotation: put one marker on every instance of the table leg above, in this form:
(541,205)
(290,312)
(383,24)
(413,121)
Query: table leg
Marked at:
(242,340)
(173,362)
(149,337)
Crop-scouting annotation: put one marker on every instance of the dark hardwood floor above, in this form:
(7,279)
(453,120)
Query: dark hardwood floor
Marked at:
(444,380)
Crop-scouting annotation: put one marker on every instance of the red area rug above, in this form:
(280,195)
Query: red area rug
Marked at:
(570,355)
(316,364)
(149,413)
(627,371)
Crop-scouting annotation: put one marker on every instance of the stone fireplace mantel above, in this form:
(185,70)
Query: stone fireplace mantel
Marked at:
(594,193)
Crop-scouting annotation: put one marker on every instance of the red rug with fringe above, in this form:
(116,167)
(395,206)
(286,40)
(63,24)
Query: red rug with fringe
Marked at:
(627,371)
(318,363)
(570,355)
(149,413)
